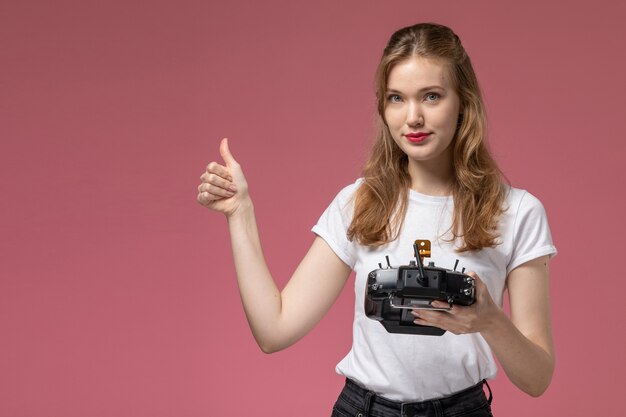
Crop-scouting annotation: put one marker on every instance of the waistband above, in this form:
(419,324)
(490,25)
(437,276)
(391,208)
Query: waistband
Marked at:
(469,399)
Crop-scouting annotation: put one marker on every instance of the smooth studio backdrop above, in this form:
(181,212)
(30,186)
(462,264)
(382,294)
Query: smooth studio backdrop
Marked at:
(117,290)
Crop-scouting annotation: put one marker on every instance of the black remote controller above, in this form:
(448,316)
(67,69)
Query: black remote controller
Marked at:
(392,292)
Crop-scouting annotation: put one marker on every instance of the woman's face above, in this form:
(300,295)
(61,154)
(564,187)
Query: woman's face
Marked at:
(422,109)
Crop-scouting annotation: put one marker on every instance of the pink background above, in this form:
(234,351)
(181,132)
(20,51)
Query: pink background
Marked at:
(117,290)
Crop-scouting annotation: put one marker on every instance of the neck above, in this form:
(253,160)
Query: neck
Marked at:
(434,178)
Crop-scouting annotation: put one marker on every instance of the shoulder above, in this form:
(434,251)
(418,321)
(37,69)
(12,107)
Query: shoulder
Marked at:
(343,202)
(350,189)
(334,222)
(521,202)
(346,195)
(526,232)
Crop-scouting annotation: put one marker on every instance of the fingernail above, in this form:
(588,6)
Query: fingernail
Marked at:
(232,188)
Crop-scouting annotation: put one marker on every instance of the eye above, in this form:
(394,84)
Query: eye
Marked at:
(394,98)
(432,97)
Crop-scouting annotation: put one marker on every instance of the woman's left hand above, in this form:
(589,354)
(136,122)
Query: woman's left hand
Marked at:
(462,319)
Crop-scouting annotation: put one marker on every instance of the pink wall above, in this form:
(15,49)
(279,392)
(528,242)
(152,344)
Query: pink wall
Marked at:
(117,291)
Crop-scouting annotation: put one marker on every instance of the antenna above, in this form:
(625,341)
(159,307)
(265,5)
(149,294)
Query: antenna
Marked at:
(420,266)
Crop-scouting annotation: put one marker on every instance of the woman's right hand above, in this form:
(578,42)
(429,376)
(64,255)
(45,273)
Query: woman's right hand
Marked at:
(224,187)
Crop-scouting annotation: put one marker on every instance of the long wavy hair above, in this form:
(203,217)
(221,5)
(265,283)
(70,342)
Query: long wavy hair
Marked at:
(381,201)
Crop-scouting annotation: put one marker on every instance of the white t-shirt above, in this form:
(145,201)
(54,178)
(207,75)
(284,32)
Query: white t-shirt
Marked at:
(404,367)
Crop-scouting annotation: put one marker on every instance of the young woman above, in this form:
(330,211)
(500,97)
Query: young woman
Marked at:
(429,176)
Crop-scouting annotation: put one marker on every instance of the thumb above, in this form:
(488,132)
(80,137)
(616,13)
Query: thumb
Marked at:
(472,274)
(477,281)
(479,284)
(225,152)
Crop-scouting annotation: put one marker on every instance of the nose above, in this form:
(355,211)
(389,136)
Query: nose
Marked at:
(414,115)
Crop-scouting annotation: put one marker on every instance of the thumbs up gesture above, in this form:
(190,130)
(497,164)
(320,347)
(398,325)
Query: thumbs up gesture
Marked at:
(223,187)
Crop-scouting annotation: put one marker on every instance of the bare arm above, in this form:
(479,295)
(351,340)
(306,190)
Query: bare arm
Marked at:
(523,343)
(277,319)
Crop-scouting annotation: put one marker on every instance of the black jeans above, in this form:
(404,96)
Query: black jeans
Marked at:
(355,401)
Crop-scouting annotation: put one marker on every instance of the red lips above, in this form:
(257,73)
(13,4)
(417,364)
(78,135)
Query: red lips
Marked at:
(416,137)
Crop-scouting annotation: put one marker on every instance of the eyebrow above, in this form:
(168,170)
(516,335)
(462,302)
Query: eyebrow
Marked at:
(430,87)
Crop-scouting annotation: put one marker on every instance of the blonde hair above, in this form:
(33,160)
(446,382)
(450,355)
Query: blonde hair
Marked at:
(382,199)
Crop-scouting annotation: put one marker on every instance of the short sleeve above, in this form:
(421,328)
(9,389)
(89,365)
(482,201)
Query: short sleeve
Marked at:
(334,222)
(531,233)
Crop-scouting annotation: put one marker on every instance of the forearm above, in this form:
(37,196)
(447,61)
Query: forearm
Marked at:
(527,364)
(260,297)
